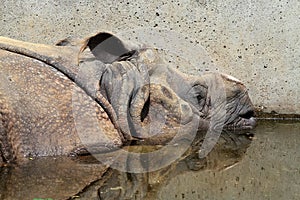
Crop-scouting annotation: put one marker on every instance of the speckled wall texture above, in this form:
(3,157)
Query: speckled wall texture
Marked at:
(254,40)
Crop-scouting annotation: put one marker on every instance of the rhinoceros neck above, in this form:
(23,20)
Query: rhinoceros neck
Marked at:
(65,59)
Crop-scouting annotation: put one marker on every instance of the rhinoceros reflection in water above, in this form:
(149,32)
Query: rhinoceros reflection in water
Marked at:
(103,93)
(86,178)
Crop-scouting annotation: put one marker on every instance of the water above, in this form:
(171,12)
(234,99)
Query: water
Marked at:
(269,170)
(266,166)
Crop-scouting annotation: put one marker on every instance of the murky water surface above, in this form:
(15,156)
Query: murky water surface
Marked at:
(266,166)
(269,170)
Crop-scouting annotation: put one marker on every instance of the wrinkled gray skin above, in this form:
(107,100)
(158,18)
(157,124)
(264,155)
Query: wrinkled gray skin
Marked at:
(103,93)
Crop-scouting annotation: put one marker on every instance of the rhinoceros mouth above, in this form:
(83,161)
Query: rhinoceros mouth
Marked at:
(244,120)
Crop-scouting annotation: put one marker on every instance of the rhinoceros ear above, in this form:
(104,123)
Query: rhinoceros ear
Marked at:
(108,48)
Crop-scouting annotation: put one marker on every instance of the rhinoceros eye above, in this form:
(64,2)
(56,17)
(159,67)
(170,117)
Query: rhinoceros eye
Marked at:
(198,94)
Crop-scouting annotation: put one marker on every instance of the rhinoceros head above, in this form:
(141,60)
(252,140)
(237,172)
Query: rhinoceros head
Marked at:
(152,99)
(225,99)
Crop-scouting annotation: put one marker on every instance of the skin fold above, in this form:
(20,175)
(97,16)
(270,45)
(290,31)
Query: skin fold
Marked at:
(101,93)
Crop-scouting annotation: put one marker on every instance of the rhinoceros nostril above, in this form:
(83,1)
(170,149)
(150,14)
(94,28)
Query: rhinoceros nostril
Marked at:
(247,115)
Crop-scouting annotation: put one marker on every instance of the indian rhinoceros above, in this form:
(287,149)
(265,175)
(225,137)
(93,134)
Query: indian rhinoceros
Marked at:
(104,92)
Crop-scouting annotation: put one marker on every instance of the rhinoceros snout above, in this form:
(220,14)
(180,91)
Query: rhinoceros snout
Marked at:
(243,121)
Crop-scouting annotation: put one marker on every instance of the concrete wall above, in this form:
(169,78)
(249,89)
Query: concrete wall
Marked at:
(254,40)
